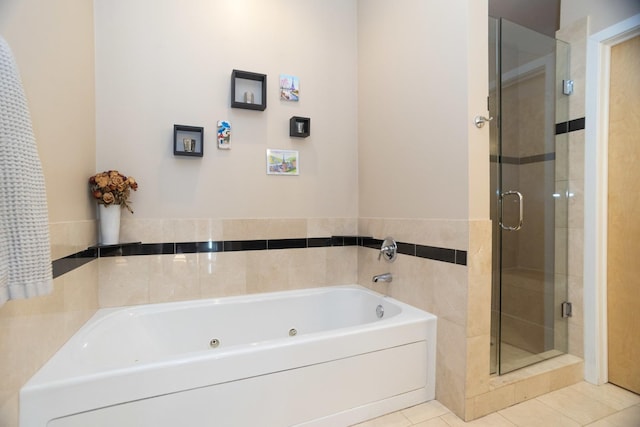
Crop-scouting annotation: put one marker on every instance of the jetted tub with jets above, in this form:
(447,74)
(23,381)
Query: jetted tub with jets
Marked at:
(315,357)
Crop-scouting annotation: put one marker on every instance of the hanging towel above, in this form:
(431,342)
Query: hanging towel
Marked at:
(25,254)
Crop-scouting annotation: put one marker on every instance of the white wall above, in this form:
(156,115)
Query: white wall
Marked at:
(160,63)
(422,78)
(602,13)
(53,46)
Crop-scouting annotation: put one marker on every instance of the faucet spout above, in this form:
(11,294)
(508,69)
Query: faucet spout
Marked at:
(386,277)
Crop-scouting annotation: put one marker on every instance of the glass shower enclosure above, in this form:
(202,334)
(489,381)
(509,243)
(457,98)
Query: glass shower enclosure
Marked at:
(529,195)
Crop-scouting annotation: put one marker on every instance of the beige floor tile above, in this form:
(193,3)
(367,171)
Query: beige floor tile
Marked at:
(425,411)
(576,405)
(603,406)
(433,422)
(491,420)
(609,394)
(534,413)
(629,417)
(395,419)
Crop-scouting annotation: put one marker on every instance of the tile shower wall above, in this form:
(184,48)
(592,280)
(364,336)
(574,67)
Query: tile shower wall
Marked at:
(552,374)
(526,166)
(576,36)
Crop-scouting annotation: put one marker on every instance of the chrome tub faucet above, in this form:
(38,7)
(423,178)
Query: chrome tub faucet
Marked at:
(386,277)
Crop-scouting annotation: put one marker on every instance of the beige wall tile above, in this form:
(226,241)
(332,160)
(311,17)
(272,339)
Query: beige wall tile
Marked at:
(576,35)
(569,373)
(70,237)
(477,365)
(341,267)
(35,329)
(60,242)
(325,227)
(450,292)
(307,268)
(80,296)
(286,228)
(439,233)
(562,156)
(451,365)
(243,229)
(533,386)
(267,271)
(222,274)
(492,401)
(184,230)
(9,411)
(576,204)
(368,266)
(123,281)
(576,155)
(173,277)
(575,258)
(146,230)
(479,278)
(413,284)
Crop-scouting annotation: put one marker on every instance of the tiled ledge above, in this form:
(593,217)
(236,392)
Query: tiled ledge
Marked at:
(71,262)
(526,383)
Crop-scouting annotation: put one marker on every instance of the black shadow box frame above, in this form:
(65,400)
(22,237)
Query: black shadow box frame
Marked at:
(188,141)
(295,122)
(244,83)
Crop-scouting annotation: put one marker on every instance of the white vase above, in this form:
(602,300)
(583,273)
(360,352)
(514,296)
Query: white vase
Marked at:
(109,224)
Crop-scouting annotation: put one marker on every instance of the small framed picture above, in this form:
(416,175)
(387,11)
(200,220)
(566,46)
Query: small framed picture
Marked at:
(224,134)
(283,162)
(289,88)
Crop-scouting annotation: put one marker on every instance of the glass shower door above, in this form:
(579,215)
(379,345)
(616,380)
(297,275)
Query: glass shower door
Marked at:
(529,196)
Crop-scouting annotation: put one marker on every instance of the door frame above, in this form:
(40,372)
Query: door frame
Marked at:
(595,194)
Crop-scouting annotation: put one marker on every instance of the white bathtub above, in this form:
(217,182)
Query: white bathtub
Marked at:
(154,365)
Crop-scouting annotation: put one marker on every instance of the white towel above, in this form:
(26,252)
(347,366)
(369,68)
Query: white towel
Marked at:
(25,254)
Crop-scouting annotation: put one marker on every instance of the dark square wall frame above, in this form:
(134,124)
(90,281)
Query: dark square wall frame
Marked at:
(299,127)
(188,141)
(248,90)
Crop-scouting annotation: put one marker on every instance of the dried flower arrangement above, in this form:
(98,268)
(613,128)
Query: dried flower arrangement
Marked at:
(112,188)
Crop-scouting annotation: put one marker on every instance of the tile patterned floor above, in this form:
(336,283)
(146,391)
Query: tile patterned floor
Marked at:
(581,404)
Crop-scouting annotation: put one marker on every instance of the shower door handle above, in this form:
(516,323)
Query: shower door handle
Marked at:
(520,206)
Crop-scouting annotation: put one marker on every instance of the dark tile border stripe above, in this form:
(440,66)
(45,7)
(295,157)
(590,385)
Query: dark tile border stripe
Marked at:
(561,128)
(537,158)
(438,254)
(570,126)
(71,262)
(244,245)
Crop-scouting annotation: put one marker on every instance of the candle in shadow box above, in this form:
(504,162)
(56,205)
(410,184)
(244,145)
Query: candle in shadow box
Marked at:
(189,144)
(300,127)
(248,97)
